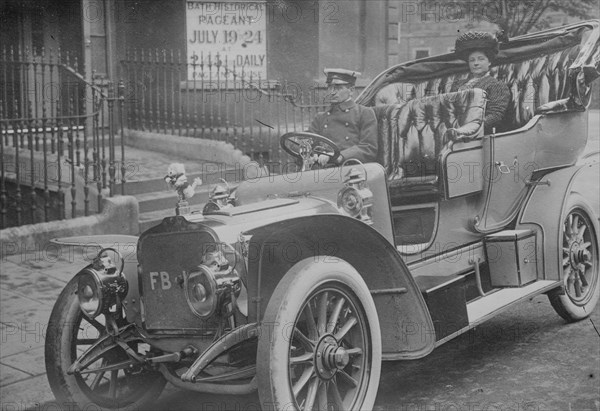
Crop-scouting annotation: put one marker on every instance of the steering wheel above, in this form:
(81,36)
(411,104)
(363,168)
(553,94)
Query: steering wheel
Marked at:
(303,145)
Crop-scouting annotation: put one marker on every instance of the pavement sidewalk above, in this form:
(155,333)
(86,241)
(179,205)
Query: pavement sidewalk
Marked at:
(30,283)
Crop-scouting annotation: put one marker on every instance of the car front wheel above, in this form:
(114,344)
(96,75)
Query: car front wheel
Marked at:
(320,342)
(577,297)
(108,383)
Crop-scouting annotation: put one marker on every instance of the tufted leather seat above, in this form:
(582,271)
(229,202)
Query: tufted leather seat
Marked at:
(533,83)
(412,135)
(536,82)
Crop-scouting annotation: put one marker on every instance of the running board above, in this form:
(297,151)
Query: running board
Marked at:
(493,304)
(490,305)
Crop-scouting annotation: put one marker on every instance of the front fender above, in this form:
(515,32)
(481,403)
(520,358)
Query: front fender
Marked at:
(126,245)
(407,328)
(545,209)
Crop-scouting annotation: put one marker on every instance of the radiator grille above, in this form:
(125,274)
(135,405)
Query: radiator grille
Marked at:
(163,260)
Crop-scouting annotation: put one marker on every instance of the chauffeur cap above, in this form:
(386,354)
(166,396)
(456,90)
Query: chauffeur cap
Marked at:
(341,76)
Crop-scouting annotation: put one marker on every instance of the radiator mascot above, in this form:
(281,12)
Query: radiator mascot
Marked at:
(177,179)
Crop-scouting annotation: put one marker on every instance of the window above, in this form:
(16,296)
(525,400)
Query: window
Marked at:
(37,32)
(421,53)
(95,13)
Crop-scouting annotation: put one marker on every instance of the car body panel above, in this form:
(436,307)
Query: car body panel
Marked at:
(510,160)
(407,330)
(324,184)
(551,198)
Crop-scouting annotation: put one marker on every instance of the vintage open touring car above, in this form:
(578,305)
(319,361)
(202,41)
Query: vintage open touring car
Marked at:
(299,285)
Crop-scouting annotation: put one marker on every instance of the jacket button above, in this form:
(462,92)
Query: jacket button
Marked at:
(325,126)
(346,124)
(328,113)
(347,110)
(347,138)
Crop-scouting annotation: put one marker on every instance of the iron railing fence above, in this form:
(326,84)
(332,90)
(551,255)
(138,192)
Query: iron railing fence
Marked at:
(57,139)
(210,97)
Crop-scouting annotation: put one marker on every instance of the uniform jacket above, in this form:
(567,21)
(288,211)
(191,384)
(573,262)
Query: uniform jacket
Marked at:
(498,96)
(352,127)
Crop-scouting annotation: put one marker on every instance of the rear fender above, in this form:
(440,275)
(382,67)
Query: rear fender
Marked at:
(545,209)
(407,328)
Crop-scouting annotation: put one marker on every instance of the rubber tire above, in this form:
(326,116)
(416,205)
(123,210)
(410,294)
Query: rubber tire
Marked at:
(58,347)
(283,307)
(559,299)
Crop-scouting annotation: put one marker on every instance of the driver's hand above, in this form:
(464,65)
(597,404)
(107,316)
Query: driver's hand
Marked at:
(322,160)
(319,158)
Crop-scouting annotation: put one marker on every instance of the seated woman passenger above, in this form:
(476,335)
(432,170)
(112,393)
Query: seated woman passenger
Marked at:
(479,49)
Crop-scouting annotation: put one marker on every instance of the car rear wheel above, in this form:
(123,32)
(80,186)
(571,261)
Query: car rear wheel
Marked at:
(320,342)
(577,297)
(68,335)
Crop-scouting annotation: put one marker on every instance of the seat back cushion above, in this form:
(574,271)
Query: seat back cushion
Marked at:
(412,134)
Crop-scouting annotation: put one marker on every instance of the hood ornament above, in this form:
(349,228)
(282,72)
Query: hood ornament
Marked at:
(177,180)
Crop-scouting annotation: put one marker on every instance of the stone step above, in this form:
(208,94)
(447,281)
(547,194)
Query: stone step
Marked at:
(148,185)
(156,206)
(167,199)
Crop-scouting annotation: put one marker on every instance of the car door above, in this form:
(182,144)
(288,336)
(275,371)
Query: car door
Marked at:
(508,164)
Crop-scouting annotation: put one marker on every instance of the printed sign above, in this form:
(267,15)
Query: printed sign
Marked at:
(233,33)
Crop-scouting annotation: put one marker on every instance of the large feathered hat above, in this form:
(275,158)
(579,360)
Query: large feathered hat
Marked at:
(476,40)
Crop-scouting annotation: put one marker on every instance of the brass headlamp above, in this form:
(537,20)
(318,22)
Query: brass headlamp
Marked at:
(356,199)
(209,285)
(218,198)
(100,285)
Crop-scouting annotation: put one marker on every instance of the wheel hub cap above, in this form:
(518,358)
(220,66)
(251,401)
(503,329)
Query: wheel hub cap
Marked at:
(576,254)
(582,257)
(330,357)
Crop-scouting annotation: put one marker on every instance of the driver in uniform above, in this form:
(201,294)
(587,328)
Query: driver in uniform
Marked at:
(352,127)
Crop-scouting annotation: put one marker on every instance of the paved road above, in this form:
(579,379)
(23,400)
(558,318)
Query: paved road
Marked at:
(526,359)
(523,360)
